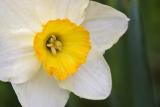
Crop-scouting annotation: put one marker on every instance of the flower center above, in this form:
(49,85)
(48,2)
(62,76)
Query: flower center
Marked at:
(62,47)
(54,45)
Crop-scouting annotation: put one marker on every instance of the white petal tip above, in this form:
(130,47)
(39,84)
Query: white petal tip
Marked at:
(128,19)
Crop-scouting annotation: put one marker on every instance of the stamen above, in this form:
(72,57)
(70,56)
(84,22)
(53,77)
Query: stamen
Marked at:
(54,45)
(49,45)
(58,45)
(53,38)
(53,50)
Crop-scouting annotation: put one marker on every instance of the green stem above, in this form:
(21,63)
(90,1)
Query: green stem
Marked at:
(140,74)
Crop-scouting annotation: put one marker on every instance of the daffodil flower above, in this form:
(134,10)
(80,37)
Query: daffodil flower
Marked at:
(49,48)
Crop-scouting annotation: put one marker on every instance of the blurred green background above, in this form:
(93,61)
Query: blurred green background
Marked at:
(134,61)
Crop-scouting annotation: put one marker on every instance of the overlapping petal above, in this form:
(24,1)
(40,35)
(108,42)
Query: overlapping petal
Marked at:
(18,61)
(105,24)
(15,15)
(41,91)
(55,9)
(92,81)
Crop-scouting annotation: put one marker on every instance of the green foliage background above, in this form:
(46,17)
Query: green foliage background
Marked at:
(134,61)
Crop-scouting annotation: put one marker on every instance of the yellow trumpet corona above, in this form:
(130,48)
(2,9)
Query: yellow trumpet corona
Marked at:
(62,47)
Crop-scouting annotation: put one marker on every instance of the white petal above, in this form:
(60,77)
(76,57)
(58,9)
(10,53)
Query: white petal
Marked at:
(55,9)
(18,62)
(18,13)
(41,91)
(92,80)
(105,24)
